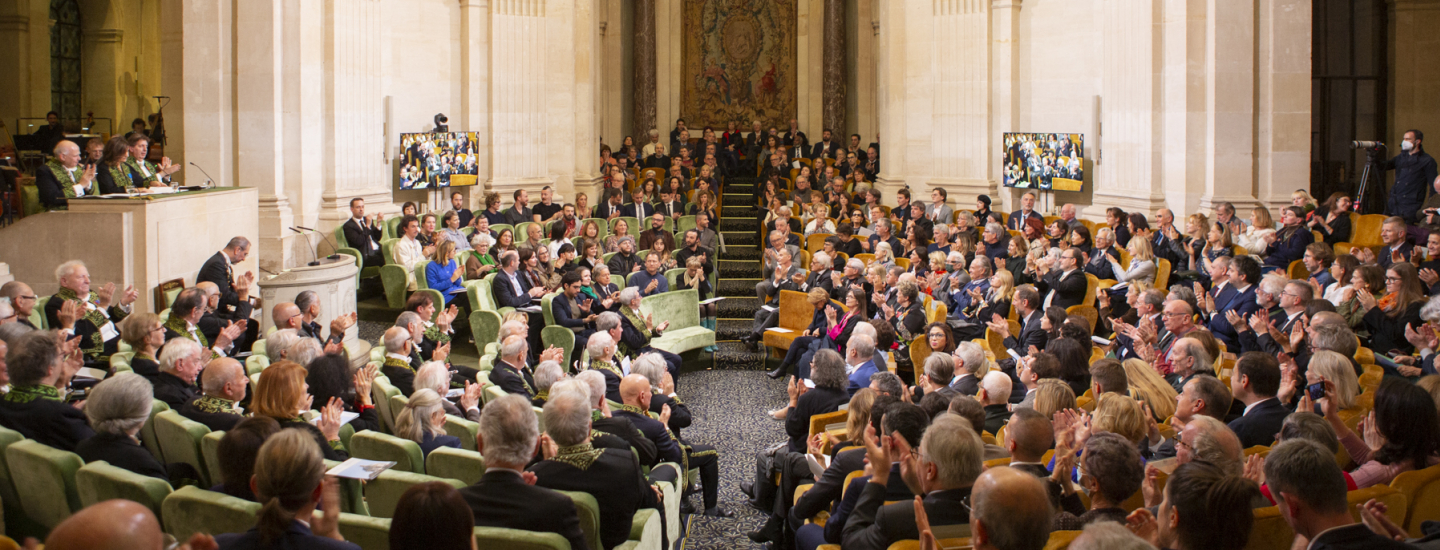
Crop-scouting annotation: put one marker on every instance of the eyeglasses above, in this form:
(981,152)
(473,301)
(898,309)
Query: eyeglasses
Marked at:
(1390,279)
(1181,443)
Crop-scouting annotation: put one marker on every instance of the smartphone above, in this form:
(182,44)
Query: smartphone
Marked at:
(1317,390)
(809,383)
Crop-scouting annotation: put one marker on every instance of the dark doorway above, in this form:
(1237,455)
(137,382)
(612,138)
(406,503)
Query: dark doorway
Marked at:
(1348,86)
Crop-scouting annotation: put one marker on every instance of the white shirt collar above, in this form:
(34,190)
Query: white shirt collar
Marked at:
(404,358)
(1252,405)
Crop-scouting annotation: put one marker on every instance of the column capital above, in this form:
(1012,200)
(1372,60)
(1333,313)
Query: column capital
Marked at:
(482,4)
(1005,4)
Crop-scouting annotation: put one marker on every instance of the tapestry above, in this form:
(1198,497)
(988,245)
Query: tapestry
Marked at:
(739,62)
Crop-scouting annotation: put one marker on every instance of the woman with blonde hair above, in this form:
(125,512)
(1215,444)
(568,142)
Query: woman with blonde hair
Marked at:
(1121,415)
(694,277)
(282,394)
(145,334)
(1142,263)
(884,256)
(1303,199)
(423,421)
(1261,225)
(444,275)
(1053,395)
(290,484)
(612,241)
(1147,386)
(1329,366)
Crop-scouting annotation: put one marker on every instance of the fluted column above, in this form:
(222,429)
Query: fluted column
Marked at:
(644,55)
(833,96)
(260,121)
(475,84)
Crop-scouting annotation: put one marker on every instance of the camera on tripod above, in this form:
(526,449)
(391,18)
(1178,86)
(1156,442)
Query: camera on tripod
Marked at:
(1372,145)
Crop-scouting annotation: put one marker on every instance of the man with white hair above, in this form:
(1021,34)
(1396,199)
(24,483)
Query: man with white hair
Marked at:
(783,270)
(220,270)
(278,342)
(502,497)
(76,310)
(970,365)
(180,363)
(1067,213)
(995,395)
(603,420)
(939,371)
(859,362)
(397,367)
(215,319)
(852,278)
(601,351)
(62,178)
(637,330)
(547,373)
(224,383)
(571,463)
(662,388)
(509,372)
(309,304)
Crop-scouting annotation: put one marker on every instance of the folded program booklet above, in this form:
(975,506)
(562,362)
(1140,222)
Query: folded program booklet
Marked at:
(359,468)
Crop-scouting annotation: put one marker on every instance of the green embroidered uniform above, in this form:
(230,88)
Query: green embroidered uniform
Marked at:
(182,328)
(93,342)
(67,181)
(26,394)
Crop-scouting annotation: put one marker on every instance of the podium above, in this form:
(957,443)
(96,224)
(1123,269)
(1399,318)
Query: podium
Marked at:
(334,283)
(143,240)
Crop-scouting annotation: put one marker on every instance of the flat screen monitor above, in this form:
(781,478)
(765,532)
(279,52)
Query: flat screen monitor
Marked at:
(1048,162)
(434,160)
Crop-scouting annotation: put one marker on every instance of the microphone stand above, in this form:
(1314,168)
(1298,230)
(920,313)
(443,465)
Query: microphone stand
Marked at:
(209,181)
(314,261)
(323,239)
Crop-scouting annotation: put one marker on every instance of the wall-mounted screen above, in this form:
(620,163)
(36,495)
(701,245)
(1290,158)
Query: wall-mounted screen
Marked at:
(1045,161)
(435,160)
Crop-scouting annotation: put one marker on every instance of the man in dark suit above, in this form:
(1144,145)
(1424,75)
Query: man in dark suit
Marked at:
(1026,211)
(509,373)
(363,233)
(220,269)
(398,367)
(184,322)
(946,463)
(636,395)
(572,310)
(510,288)
(457,203)
(825,148)
(224,383)
(214,321)
(612,476)
(1064,285)
(1255,383)
(1027,307)
(180,363)
(1239,297)
(792,134)
(658,159)
(1314,490)
(502,497)
(614,425)
(656,232)
(639,207)
(58,179)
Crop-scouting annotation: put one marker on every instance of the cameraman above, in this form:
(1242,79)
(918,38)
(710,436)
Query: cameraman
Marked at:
(1414,171)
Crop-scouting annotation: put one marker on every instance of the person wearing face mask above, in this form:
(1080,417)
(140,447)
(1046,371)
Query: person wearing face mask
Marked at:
(1414,170)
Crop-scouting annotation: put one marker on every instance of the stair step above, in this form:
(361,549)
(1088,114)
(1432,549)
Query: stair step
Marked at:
(735,356)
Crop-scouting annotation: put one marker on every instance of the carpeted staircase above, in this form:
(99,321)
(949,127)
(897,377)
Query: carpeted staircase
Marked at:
(739,273)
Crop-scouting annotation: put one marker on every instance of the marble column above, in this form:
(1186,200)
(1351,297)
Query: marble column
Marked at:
(353,112)
(1130,174)
(475,86)
(260,124)
(14,38)
(1230,107)
(1004,85)
(521,91)
(587,84)
(1283,112)
(834,80)
(644,55)
(195,56)
(891,74)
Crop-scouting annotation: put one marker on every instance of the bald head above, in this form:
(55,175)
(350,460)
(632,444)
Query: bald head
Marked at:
(110,525)
(221,375)
(633,388)
(207,287)
(1328,318)
(1009,509)
(285,315)
(997,388)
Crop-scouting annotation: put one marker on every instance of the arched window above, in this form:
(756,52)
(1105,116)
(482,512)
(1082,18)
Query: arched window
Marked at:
(65,58)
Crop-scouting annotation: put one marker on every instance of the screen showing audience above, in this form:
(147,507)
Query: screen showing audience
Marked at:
(437,160)
(1045,161)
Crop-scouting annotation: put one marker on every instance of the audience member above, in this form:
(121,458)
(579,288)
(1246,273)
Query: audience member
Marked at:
(117,408)
(35,405)
(1309,489)
(280,394)
(224,385)
(237,451)
(290,484)
(432,516)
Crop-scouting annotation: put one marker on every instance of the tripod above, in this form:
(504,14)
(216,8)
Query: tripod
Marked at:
(1365,201)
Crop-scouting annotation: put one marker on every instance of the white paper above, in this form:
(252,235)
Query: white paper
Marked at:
(817,465)
(625,366)
(108,331)
(1099,340)
(529,309)
(809,383)
(712,300)
(779,330)
(359,468)
(87,372)
(345,417)
(768,308)
(454,392)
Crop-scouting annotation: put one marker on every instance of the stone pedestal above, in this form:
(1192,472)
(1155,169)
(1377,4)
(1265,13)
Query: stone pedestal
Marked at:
(334,283)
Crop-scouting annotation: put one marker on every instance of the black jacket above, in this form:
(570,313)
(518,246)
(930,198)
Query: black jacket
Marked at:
(1069,290)
(172,390)
(44,419)
(613,477)
(121,451)
(216,421)
(359,237)
(666,446)
(513,379)
(1030,335)
(502,499)
(1259,426)
(506,295)
(875,525)
(830,485)
(297,537)
(626,430)
(218,270)
(816,401)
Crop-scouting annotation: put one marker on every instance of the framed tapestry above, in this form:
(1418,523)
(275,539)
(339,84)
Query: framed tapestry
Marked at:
(739,62)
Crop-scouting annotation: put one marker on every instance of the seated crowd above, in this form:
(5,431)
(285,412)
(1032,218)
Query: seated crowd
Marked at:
(1125,365)
(1153,389)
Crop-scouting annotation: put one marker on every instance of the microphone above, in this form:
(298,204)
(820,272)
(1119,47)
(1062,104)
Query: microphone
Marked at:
(324,238)
(209,181)
(314,261)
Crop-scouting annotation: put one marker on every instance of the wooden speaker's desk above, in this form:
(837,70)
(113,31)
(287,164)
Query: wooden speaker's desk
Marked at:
(143,240)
